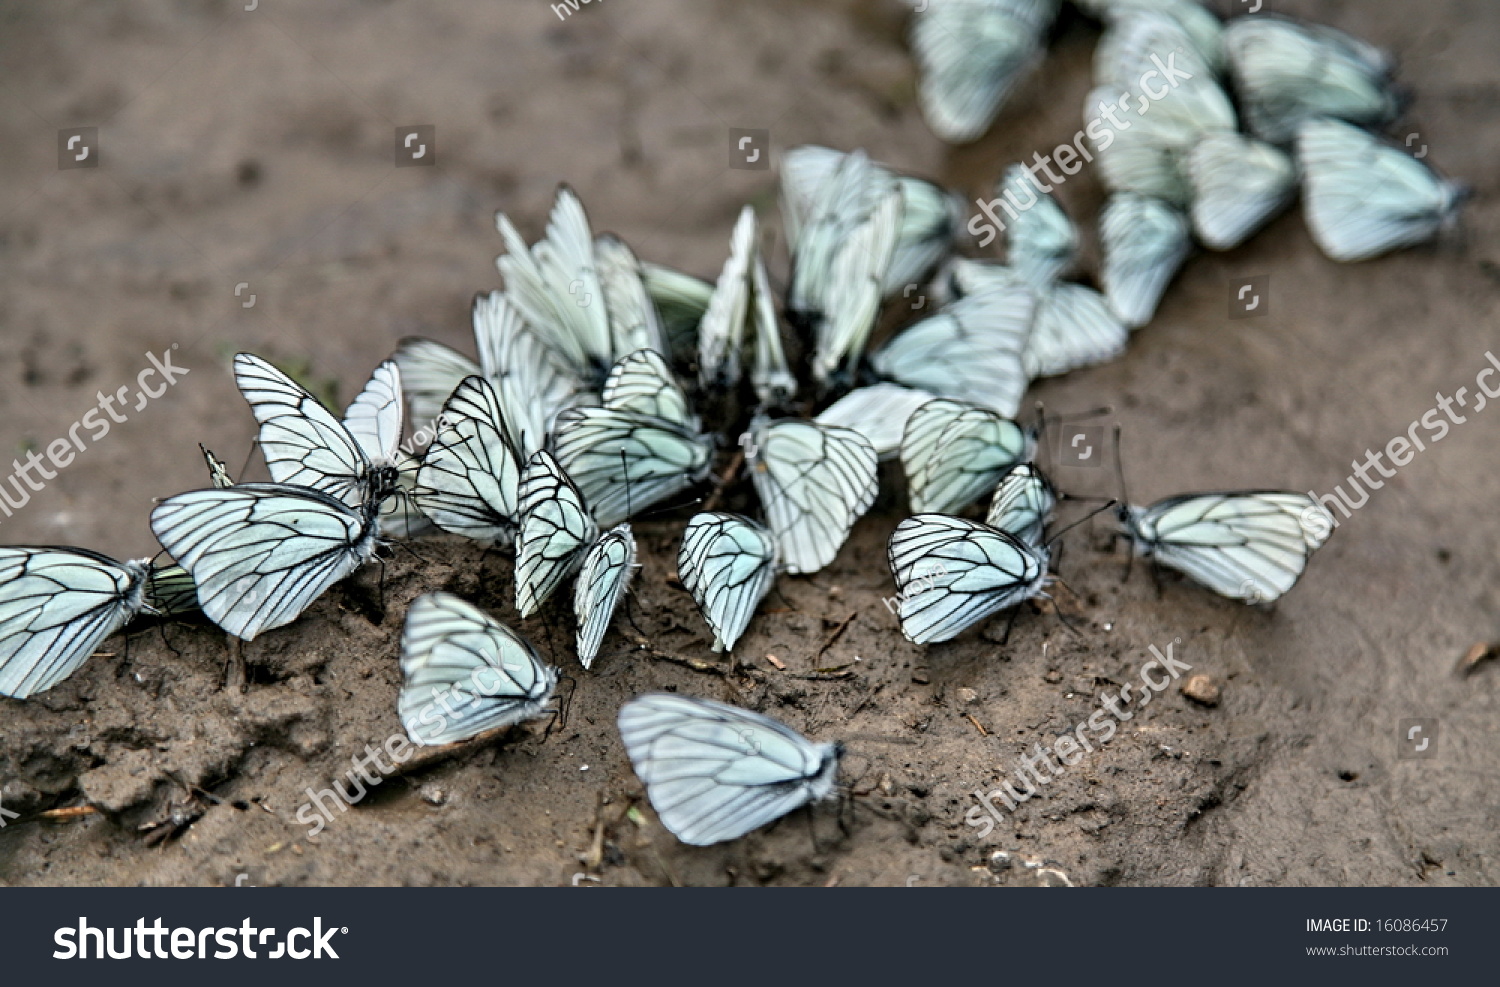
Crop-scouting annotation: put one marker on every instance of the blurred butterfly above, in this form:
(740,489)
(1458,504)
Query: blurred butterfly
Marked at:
(728,563)
(555,286)
(952,573)
(528,375)
(843,248)
(355,460)
(742,304)
(602,580)
(971,350)
(469,477)
(57,605)
(970,56)
(1201,25)
(1287,73)
(715,772)
(1022,505)
(1238,184)
(1363,196)
(879,412)
(1143,242)
(954,453)
(1247,545)
(261,553)
(814,481)
(633,322)
(930,214)
(463,673)
(641,447)
(1163,119)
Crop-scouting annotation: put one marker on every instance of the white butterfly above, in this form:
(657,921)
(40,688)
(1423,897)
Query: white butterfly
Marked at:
(555,286)
(1246,545)
(602,580)
(1143,242)
(1143,130)
(556,531)
(1286,73)
(953,573)
(742,303)
(954,453)
(879,412)
(1364,197)
(170,591)
(970,56)
(930,215)
(529,377)
(1201,25)
(463,673)
(1238,184)
(355,461)
(843,249)
(57,605)
(1023,504)
(814,481)
(261,553)
(715,772)
(641,447)
(972,350)
(218,473)
(1041,241)
(468,483)
(728,563)
(633,322)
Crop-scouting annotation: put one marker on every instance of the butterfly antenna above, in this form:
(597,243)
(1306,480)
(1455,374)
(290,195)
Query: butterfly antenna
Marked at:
(1087,517)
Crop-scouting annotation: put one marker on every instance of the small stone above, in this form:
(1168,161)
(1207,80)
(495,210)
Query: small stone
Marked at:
(1001,860)
(433,795)
(1201,689)
(968,696)
(919,676)
(1053,676)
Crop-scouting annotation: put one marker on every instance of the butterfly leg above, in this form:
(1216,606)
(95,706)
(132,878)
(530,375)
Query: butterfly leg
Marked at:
(233,674)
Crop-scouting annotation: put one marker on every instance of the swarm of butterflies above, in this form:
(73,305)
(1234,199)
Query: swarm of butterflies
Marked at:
(572,418)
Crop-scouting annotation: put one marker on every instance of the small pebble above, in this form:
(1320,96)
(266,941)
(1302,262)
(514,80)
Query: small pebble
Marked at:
(433,795)
(1053,676)
(1201,689)
(919,676)
(968,696)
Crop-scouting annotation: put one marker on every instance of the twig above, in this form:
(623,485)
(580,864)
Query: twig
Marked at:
(1474,656)
(724,479)
(977,725)
(838,632)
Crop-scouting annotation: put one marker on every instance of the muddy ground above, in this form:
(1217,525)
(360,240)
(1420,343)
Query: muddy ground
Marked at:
(256,147)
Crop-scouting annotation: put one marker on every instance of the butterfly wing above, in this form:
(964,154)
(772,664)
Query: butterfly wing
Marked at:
(602,579)
(623,461)
(463,673)
(854,286)
(1249,546)
(680,299)
(556,531)
(303,443)
(728,563)
(814,482)
(953,453)
(1363,197)
(970,55)
(633,322)
(1143,241)
(170,591)
(1238,183)
(261,553)
(57,606)
(971,351)
(1023,504)
(429,373)
(715,772)
(1074,327)
(642,384)
(468,483)
(879,412)
(953,573)
(1041,241)
(531,380)
(374,419)
(721,333)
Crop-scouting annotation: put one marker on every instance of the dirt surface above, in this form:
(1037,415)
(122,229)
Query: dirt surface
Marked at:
(256,147)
